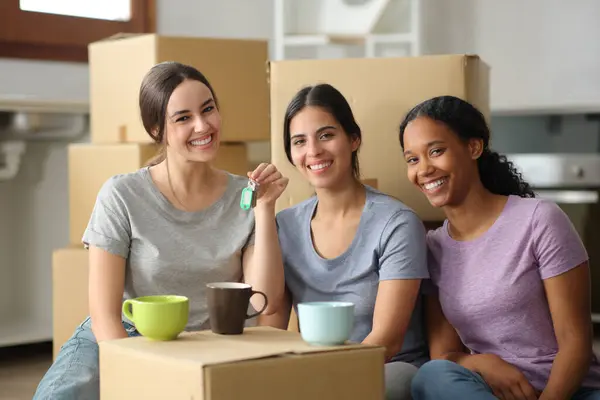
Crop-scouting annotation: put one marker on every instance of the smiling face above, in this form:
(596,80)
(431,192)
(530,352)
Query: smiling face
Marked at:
(320,148)
(193,122)
(440,164)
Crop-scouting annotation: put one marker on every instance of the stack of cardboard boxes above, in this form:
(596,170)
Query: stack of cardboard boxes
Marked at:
(119,144)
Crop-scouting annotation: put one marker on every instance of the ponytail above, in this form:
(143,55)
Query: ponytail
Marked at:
(499,176)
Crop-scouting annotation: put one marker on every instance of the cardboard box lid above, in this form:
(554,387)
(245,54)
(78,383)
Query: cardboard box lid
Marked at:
(206,348)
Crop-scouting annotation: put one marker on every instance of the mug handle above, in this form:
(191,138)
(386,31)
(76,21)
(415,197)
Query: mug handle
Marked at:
(264,307)
(126,309)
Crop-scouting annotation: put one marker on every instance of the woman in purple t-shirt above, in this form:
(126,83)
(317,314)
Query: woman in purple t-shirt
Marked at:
(509,296)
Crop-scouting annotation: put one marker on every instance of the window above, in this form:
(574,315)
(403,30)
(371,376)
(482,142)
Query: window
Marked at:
(60,30)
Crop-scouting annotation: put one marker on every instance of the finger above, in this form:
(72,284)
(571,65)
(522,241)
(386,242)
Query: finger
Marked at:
(504,394)
(269,170)
(528,390)
(498,393)
(282,182)
(517,393)
(258,170)
(270,178)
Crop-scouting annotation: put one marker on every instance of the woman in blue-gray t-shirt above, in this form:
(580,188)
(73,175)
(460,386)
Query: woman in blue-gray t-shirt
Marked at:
(351,242)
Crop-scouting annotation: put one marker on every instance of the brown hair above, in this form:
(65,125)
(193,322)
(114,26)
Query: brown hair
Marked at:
(331,100)
(156,90)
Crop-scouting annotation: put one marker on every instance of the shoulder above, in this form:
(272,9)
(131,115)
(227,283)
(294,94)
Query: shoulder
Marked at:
(123,186)
(539,212)
(297,213)
(238,182)
(390,212)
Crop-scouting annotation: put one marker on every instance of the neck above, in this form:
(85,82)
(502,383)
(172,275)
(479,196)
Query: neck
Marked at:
(188,178)
(475,214)
(341,200)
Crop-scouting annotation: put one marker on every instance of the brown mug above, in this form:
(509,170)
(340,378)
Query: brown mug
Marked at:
(228,306)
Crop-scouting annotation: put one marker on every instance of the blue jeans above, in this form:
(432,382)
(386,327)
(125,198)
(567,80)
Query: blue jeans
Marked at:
(74,375)
(441,379)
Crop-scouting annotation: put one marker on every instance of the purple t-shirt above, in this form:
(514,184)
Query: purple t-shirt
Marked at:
(491,288)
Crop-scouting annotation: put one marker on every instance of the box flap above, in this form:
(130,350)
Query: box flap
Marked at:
(206,348)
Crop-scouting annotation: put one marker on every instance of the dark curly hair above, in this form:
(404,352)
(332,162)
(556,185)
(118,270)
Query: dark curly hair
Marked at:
(497,174)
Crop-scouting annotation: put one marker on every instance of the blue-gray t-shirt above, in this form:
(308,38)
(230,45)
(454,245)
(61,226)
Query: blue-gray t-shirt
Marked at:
(389,244)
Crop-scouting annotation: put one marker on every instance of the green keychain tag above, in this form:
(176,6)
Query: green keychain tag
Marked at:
(248,199)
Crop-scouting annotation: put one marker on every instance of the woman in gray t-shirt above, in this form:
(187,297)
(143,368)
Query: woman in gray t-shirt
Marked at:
(351,242)
(170,228)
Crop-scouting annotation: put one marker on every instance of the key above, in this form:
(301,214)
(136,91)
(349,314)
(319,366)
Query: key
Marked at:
(249,196)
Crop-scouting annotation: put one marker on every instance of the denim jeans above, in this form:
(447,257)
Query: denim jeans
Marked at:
(74,375)
(441,379)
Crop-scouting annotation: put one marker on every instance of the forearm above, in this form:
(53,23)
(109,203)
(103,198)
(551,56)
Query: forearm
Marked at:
(266,270)
(392,343)
(107,327)
(570,366)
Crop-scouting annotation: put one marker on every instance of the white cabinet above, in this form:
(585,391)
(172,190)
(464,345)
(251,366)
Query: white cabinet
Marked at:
(544,54)
(346,28)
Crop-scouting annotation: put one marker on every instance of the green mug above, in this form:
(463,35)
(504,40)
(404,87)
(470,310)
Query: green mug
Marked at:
(158,317)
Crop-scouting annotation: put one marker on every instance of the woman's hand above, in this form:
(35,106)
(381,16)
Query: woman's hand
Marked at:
(507,382)
(271,183)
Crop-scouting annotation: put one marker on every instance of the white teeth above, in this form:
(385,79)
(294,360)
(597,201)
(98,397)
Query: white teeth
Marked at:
(433,185)
(201,142)
(317,167)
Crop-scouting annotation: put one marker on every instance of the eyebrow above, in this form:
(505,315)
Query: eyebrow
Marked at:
(206,102)
(321,129)
(432,143)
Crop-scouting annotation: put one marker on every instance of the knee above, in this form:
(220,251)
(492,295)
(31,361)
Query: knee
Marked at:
(74,373)
(434,375)
(398,377)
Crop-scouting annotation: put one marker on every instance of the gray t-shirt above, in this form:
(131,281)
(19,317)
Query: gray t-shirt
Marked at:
(389,244)
(169,251)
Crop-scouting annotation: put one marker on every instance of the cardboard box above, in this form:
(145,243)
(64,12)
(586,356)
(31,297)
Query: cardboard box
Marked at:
(234,67)
(91,165)
(262,364)
(380,91)
(69,293)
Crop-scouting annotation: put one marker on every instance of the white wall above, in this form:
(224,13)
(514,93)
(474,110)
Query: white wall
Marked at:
(544,53)
(34,206)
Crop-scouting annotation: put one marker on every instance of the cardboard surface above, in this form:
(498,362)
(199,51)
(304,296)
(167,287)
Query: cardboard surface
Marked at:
(91,165)
(234,67)
(380,91)
(69,293)
(263,363)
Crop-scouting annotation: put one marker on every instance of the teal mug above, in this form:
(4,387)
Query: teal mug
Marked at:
(326,323)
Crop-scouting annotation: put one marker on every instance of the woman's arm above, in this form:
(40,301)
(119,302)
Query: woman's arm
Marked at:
(262,262)
(393,310)
(106,285)
(108,236)
(444,342)
(562,263)
(569,300)
(280,319)
(402,264)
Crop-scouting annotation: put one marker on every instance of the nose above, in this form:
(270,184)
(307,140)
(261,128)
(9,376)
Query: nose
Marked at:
(201,125)
(425,168)
(314,148)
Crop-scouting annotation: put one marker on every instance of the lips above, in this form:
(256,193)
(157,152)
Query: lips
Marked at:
(201,141)
(320,166)
(434,185)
